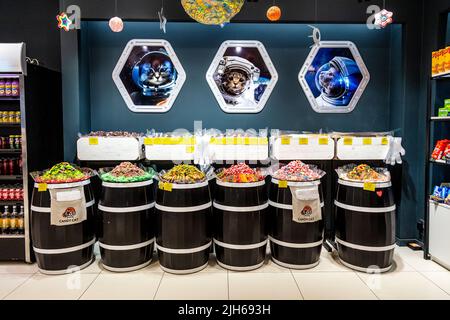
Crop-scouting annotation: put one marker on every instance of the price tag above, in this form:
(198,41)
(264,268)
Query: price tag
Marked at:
(282,184)
(323,141)
(369,186)
(190,149)
(168,186)
(148,141)
(42,187)
(229,140)
(303,141)
(384,141)
(348,141)
(247,140)
(161,185)
(93,141)
(239,140)
(286,140)
(367,141)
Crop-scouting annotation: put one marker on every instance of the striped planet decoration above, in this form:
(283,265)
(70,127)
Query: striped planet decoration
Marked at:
(212,12)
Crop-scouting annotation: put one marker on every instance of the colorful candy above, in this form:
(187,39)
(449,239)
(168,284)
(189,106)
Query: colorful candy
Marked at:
(126,172)
(183,173)
(62,172)
(298,171)
(240,173)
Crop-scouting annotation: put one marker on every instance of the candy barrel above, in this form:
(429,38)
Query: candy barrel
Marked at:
(365,225)
(240,236)
(293,245)
(58,249)
(126,235)
(183,237)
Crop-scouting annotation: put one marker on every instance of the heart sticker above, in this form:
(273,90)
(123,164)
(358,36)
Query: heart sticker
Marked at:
(379,193)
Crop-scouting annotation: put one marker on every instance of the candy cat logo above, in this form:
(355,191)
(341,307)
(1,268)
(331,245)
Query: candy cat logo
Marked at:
(69,213)
(71,19)
(306,211)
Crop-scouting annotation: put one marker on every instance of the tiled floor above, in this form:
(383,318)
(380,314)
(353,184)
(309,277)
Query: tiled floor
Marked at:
(411,278)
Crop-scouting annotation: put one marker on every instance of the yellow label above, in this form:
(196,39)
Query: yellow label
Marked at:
(247,140)
(367,141)
(282,184)
(348,141)
(239,140)
(263,141)
(323,141)
(369,186)
(229,140)
(148,141)
(303,141)
(42,187)
(190,149)
(286,140)
(384,141)
(161,185)
(93,141)
(168,186)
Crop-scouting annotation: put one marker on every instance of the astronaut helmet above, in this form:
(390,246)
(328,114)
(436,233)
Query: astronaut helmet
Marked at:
(155,74)
(338,80)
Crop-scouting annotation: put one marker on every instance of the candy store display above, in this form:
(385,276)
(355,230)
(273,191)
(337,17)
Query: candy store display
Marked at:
(240,173)
(11,192)
(184,174)
(11,142)
(363,173)
(298,171)
(441,150)
(9,87)
(161,146)
(126,172)
(441,193)
(12,220)
(63,172)
(10,117)
(366,145)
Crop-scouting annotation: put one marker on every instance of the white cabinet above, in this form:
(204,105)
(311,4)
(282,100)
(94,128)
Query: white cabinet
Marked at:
(439,229)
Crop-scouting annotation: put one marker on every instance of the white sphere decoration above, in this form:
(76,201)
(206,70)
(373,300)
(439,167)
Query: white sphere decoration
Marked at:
(116,24)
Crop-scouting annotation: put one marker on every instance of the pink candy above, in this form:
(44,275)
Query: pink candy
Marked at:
(297,171)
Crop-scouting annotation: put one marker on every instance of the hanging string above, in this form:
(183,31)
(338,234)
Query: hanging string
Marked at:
(315,10)
(115,8)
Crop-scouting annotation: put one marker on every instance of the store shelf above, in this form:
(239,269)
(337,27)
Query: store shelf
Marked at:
(11,177)
(12,236)
(9,151)
(441,76)
(440,118)
(439,204)
(9,125)
(9,98)
(10,202)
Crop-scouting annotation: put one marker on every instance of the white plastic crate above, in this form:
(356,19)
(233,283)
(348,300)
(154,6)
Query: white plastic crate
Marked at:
(109,148)
(362,148)
(170,148)
(439,233)
(302,147)
(238,148)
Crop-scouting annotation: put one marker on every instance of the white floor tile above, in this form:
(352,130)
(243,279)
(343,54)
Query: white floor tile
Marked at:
(415,260)
(400,264)
(329,262)
(403,286)
(263,286)
(61,287)
(333,286)
(18,267)
(9,282)
(124,286)
(441,279)
(198,286)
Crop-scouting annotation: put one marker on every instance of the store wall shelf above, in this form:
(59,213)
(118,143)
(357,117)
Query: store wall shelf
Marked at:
(18,151)
(9,98)
(440,118)
(10,202)
(9,125)
(11,236)
(445,75)
(440,161)
(10,177)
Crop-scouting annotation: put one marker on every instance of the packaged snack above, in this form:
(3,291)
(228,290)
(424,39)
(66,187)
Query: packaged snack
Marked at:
(2,87)
(298,171)
(439,149)
(126,172)
(183,174)
(8,87)
(240,173)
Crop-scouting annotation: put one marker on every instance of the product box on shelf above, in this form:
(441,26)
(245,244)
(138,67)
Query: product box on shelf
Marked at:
(166,147)
(289,146)
(237,146)
(109,147)
(368,147)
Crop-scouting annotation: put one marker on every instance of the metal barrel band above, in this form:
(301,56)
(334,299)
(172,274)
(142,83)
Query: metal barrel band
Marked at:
(126,247)
(183,251)
(295,266)
(237,268)
(365,248)
(48,209)
(367,270)
(183,271)
(240,209)
(188,185)
(184,209)
(240,185)
(365,209)
(126,209)
(378,185)
(240,246)
(65,185)
(299,184)
(127,184)
(286,206)
(296,245)
(126,269)
(64,250)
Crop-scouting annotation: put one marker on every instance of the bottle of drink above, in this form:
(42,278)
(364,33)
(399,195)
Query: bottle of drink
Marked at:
(21,221)
(2,87)
(5,221)
(13,221)
(15,88)
(8,87)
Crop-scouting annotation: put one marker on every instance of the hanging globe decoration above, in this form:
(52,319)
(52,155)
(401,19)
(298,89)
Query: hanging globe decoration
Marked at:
(212,12)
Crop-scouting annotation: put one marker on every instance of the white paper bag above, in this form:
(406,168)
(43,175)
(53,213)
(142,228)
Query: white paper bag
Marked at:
(68,206)
(306,204)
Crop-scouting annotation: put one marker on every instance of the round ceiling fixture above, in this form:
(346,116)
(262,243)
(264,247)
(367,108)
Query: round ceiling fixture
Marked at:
(116,24)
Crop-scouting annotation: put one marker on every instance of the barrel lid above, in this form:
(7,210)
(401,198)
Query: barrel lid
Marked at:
(65,185)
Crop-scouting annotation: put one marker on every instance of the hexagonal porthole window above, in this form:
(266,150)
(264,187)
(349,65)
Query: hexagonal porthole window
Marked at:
(334,77)
(149,75)
(242,76)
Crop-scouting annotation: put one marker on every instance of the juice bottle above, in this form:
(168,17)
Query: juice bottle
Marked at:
(21,222)
(13,221)
(8,87)
(2,87)
(15,88)
(5,221)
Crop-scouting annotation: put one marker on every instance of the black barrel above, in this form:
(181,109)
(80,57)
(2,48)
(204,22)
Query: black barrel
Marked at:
(240,236)
(60,249)
(183,218)
(293,245)
(127,226)
(365,225)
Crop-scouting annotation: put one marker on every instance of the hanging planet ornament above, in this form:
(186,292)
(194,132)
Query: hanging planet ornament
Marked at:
(212,12)
(116,24)
(274,13)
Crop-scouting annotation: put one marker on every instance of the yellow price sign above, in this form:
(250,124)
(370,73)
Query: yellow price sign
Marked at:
(148,141)
(384,141)
(348,141)
(282,184)
(190,149)
(369,186)
(166,186)
(42,187)
(229,140)
(303,141)
(286,140)
(93,141)
(247,140)
(367,141)
(323,141)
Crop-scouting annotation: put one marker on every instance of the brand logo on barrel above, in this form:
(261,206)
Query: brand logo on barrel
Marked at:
(69,213)
(306,211)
